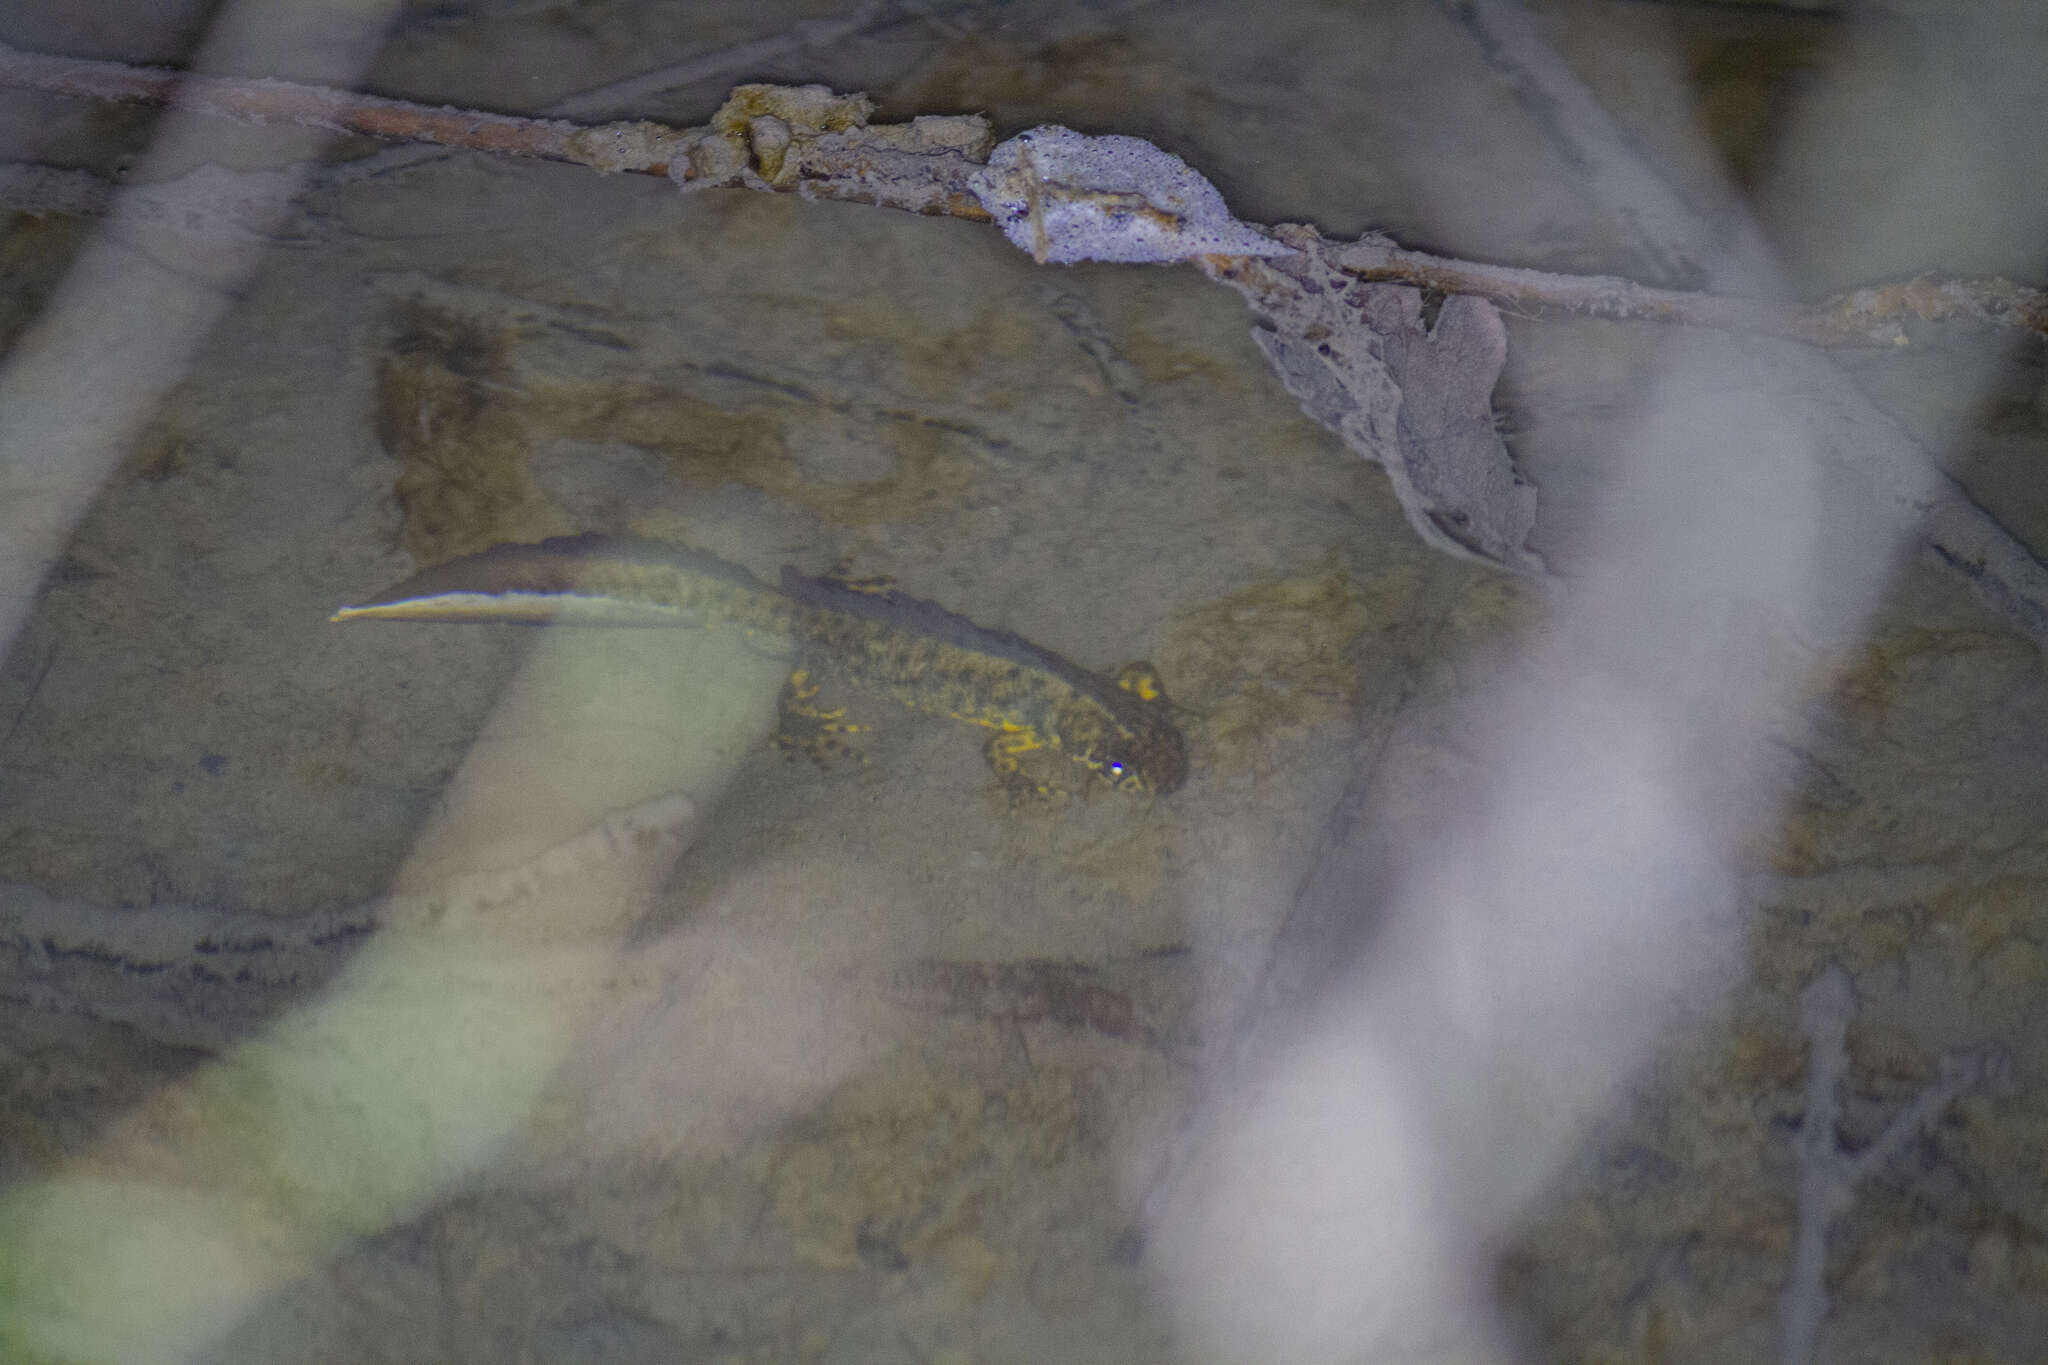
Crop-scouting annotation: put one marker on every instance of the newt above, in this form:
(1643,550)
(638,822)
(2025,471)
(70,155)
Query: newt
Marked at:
(1119,728)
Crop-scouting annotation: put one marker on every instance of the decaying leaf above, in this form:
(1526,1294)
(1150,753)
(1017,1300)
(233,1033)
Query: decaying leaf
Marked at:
(1416,400)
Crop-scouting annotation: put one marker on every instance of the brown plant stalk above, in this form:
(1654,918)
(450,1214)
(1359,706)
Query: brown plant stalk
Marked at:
(847,169)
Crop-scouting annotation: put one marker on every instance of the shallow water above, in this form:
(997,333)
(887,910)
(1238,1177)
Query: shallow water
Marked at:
(880,1061)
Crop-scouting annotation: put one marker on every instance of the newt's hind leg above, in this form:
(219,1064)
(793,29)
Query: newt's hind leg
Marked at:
(810,730)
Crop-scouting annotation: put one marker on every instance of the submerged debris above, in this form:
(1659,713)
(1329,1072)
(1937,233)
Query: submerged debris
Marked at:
(1415,399)
(1064,196)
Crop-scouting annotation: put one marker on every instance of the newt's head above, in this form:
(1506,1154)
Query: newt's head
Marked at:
(1128,739)
(1154,759)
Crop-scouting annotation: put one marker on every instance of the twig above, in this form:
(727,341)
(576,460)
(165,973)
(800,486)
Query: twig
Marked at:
(1990,302)
(1871,316)
(1998,566)
(851,167)
(792,139)
(1828,1176)
(1676,242)
(35,690)
(723,66)
(633,146)
(807,140)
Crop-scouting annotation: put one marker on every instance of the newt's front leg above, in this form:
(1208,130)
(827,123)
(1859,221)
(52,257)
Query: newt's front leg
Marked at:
(807,729)
(1027,768)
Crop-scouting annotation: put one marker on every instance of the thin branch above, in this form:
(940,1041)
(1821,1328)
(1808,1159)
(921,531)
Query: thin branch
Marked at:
(1993,301)
(1829,1175)
(893,166)
(1871,316)
(2002,569)
(633,146)
(1667,235)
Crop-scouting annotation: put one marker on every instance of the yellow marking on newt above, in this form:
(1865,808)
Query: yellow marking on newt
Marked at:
(1140,681)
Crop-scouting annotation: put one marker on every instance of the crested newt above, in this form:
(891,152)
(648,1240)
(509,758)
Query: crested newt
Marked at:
(1118,727)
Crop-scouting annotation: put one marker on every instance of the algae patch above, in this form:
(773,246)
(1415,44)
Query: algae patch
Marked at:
(443,412)
(1261,670)
(477,406)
